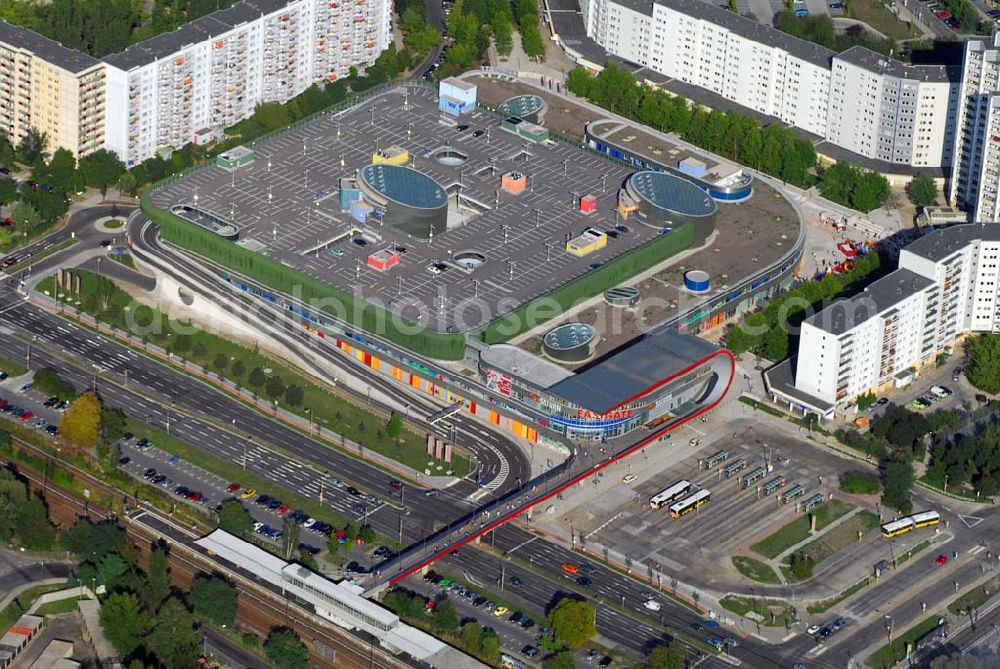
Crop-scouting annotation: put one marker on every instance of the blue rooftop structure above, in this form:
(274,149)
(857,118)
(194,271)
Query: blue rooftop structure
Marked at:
(405,185)
(665,191)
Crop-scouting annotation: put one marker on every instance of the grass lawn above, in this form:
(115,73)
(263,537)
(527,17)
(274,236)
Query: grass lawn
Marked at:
(115,224)
(973,598)
(58,607)
(797,530)
(61,246)
(889,654)
(24,601)
(232,471)
(122,258)
(755,570)
(827,604)
(876,15)
(11,367)
(267,378)
(837,539)
(769,612)
(903,557)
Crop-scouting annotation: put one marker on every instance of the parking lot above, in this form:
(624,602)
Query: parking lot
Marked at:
(700,543)
(150,464)
(286,205)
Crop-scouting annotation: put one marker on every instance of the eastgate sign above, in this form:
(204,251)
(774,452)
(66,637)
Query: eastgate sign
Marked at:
(583,414)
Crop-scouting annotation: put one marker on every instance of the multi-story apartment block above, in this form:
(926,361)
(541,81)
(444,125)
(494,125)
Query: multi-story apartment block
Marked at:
(975,175)
(55,90)
(874,106)
(214,71)
(186,84)
(946,286)
(883,109)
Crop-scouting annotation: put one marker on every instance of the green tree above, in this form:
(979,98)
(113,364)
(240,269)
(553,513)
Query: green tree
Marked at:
(127,183)
(234,518)
(48,381)
(563,660)
(870,191)
(111,570)
(113,423)
(801,565)
(445,616)
(665,657)
(220,362)
(31,147)
(173,638)
(214,598)
(33,527)
(25,216)
(503,34)
(490,647)
(866,400)
(13,495)
(395,426)
(257,378)
(472,636)
(573,621)
(294,395)
(367,534)
(8,191)
(290,534)
(774,344)
(859,483)
(92,542)
(983,357)
(922,190)
(81,423)
(157,586)
(285,650)
(62,171)
(897,478)
(124,623)
(102,169)
(275,387)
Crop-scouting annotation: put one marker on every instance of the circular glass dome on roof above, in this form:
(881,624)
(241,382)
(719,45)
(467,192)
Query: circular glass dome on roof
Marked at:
(522,105)
(665,191)
(405,185)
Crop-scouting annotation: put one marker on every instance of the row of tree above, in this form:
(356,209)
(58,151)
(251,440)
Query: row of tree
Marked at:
(768,332)
(24,518)
(982,355)
(773,149)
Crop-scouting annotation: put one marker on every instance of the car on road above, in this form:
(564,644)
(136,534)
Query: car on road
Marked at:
(499,611)
(838,624)
(812,630)
(395,485)
(652,605)
(628,478)
(715,642)
(711,624)
(432,492)
(248,493)
(824,633)
(697,627)
(516,581)
(585,581)
(941,560)
(351,490)
(570,568)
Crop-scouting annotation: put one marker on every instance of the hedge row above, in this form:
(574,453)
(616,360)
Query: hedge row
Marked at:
(283,279)
(592,283)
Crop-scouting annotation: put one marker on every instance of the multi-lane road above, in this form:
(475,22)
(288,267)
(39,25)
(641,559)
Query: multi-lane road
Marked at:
(204,416)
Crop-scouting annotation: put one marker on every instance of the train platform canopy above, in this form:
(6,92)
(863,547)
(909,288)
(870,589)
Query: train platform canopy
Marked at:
(341,602)
(634,371)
